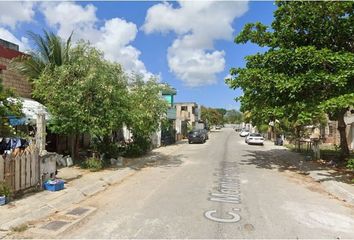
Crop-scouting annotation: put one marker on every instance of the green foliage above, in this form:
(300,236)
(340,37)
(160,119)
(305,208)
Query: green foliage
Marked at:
(9,106)
(85,95)
(307,69)
(233,116)
(140,146)
(146,111)
(5,189)
(49,51)
(108,149)
(263,128)
(212,116)
(93,164)
(350,164)
(222,111)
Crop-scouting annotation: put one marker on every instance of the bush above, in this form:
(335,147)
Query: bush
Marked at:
(350,164)
(5,189)
(93,164)
(138,147)
(108,149)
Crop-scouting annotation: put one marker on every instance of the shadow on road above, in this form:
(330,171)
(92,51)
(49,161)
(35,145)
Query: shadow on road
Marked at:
(284,160)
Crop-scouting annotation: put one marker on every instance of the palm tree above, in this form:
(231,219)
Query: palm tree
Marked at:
(49,51)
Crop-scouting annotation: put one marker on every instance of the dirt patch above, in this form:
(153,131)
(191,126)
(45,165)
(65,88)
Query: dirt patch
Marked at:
(248,227)
(305,180)
(313,186)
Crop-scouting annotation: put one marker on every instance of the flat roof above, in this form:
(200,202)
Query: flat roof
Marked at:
(185,103)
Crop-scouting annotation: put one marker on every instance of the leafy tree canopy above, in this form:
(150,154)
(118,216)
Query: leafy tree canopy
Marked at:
(49,51)
(212,116)
(308,68)
(84,95)
(146,106)
(233,116)
(9,106)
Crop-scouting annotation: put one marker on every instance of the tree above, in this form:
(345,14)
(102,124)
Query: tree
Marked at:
(86,94)
(211,116)
(147,109)
(49,51)
(233,116)
(9,106)
(222,111)
(308,68)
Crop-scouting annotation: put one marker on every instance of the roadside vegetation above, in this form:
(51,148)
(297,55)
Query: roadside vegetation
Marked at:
(86,94)
(220,116)
(305,75)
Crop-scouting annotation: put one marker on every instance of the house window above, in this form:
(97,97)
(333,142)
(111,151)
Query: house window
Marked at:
(184,108)
(194,111)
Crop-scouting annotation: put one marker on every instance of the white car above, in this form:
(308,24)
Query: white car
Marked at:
(244,133)
(255,138)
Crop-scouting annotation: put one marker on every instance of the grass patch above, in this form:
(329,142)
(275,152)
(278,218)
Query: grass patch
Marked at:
(93,164)
(290,146)
(20,228)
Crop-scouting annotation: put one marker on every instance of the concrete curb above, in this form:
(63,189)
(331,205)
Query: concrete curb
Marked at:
(70,196)
(54,202)
(340,192)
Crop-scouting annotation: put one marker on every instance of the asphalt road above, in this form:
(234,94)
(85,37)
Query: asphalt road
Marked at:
(220,189)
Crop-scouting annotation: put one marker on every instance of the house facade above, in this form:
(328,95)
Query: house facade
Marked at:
(330,133)
(168,130)
(187,115)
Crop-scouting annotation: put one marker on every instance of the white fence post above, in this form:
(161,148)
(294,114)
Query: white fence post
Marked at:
(41,132)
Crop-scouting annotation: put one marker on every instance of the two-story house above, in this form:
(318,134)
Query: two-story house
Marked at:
(187,115)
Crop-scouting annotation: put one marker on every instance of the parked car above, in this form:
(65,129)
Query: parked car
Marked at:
(278,141)
(244,133)
(196,136)
(205,131)
(217,127)
(254,138)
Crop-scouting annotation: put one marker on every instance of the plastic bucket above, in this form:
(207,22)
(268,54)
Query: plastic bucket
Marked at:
(2,200)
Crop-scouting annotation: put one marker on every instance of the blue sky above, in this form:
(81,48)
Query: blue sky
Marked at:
(187,44)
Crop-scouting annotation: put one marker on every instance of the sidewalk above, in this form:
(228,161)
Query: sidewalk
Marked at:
(80,185)
(334,181)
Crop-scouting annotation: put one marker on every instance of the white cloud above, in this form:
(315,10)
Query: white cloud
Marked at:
(114,38)
(13,13)
(8,36)
(195,66)
(198,24)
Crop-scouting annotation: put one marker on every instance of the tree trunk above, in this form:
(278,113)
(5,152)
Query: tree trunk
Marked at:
(343,138)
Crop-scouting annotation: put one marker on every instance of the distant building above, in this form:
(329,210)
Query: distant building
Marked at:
(10,78)
(187,115)
(168,130)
